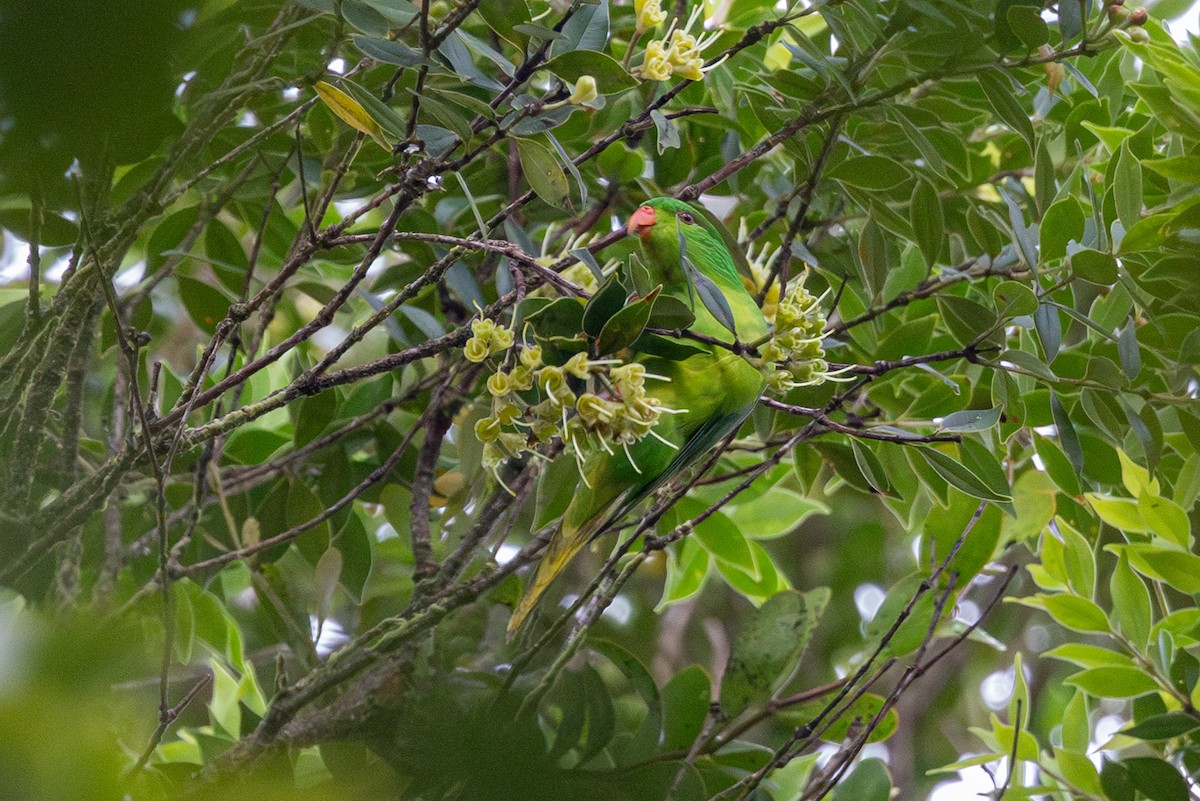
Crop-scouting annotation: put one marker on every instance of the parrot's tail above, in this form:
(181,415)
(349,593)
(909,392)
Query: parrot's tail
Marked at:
(563,547)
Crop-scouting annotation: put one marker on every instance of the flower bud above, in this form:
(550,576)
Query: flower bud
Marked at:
(1139,36)
(1054,76)
(1139,16)
(585,90)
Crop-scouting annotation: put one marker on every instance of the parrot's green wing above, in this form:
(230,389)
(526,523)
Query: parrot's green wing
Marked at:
(576,534)
(731,244)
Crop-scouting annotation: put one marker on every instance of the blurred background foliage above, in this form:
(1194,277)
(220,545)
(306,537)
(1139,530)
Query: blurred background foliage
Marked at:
(248,544)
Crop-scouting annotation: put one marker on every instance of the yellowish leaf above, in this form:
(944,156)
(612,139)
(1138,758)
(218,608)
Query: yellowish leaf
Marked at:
(351,112)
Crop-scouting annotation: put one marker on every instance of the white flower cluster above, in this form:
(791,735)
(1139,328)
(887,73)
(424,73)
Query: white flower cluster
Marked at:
(794,356)
(534,402)
(678,53)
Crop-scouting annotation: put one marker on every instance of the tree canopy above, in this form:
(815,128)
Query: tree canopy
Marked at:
(272,477)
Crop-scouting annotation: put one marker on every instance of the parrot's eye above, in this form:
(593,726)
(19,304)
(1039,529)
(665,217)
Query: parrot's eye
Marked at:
(687,217)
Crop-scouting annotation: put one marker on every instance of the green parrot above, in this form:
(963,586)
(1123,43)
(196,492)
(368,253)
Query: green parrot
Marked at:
(712,392)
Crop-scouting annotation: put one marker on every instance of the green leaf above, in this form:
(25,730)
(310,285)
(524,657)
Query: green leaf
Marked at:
(1075,766)
(869,781)
(668,134)
(960,477)
(624,327)
(927,221)
(389,51)
(326,576)
(1026,23)
(1049,328)
(620,163)
(1045,184)
(686,699)
(1185,169)
(1094,266)
(1130,603)
(1077,614)
(998,91)
(970,420)
(1014,299)
(720,537)
(1127,187)
(671,313)
(776,512)
(1076,730)
(710,294)
(1089,656)
(1113,682)
(856,716)
(876,173)
(1062,223)
(1066,433)
(563,317)
(872,468)
(767,649)
(1157,779)
(967,319)
(1079,561)
(206,305)
(1057,466)
(1177,568)
(1167,726)
(1120,513)
(600,308)
(545,175)
(687,568)
(55,231)
(765,582)
(610,76)
(313,415)
(1165,518)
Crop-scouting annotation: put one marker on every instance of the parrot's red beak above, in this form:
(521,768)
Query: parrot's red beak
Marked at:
(641,221)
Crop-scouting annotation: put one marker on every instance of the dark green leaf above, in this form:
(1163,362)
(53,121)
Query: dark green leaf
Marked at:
(1157,779)
(610,76)
(869,781)
(998,90)
(389,51)
(544,173)
(624,327)
(607,301)
(1094,266)
(868,172)
(960,477)
(766,651)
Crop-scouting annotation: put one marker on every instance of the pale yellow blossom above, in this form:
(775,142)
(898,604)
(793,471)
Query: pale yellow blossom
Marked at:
(649,14)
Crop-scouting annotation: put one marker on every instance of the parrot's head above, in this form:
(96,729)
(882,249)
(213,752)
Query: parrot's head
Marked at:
(662,221)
